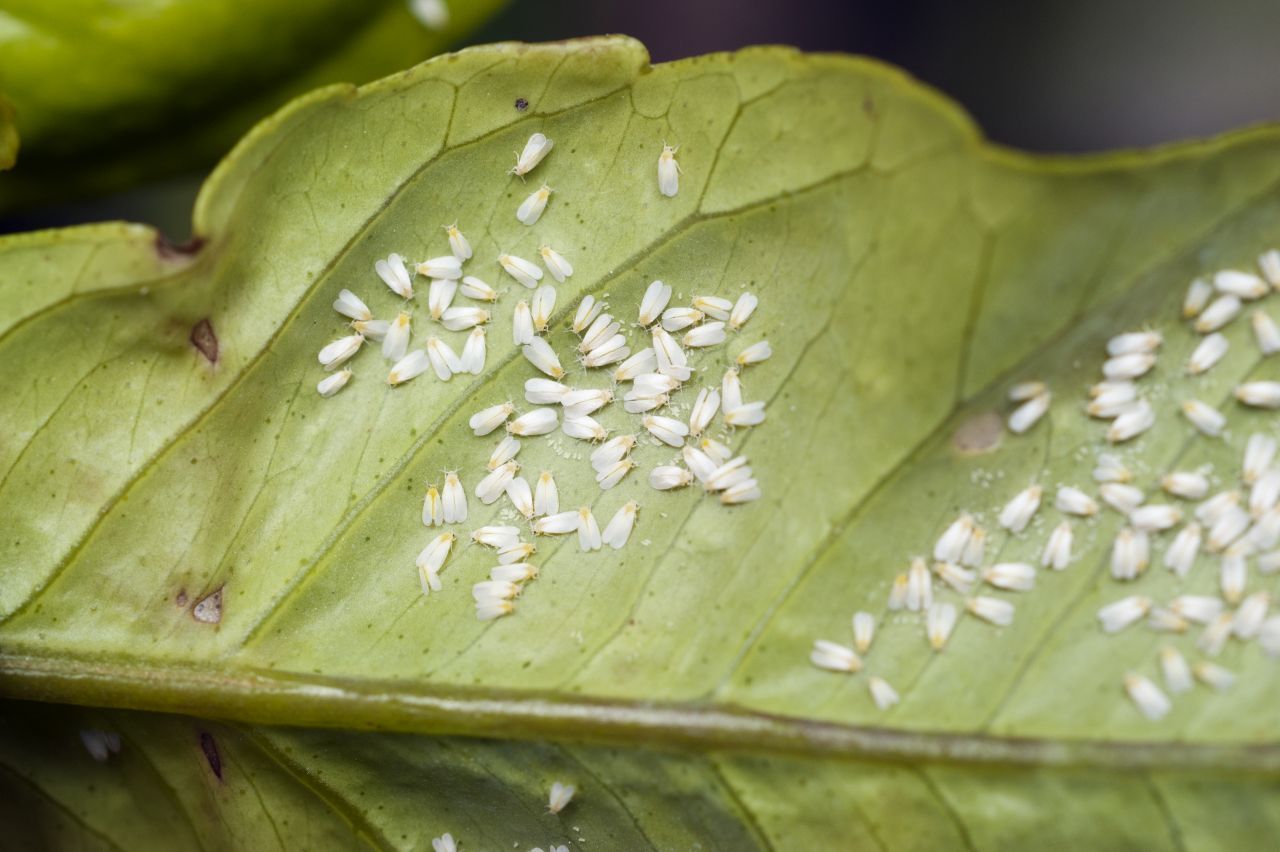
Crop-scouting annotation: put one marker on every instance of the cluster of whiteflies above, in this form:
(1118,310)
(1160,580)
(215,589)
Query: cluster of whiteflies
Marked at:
(959,562)
(958,558)
(655,375)
(1235,525)
(447,281)
(557,800)
(1238,526)
(1211,304)
(436,354)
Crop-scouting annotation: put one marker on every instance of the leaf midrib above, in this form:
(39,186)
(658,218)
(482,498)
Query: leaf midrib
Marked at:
(525,714)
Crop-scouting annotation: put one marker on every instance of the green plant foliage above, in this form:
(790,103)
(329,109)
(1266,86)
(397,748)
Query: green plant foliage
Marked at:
(318,789)
(907,274)
(8,136)
(109,94)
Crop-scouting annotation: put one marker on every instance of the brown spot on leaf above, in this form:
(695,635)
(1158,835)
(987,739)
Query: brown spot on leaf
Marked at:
(205,341)
(181,598)
(210,748)
(981,433)
(209,609)
(521,104)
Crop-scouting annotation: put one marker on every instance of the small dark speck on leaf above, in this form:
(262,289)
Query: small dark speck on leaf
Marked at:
(981,433)
(209,609)
(522,104)
(869,106)
(181,598)
(205,341)
(210,749)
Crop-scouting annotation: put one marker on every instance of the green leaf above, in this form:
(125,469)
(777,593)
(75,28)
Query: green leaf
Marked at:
(294,788)
(108,96)
(8,136)
(907,274)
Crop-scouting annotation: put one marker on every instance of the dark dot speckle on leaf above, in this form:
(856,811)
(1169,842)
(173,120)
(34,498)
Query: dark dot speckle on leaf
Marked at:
(205,341)
(210,749)
(522,104)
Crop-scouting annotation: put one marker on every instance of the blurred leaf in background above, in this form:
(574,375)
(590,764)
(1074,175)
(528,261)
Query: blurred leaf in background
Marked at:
(105,94)
(181,783)
(8,136)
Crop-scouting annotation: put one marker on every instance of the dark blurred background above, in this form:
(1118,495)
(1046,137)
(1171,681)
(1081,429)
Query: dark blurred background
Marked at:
(1045,75)
(1049,75)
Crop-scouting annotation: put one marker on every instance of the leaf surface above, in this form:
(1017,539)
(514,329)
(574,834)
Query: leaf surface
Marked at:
(8,136)
(319,789)
(907,273)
